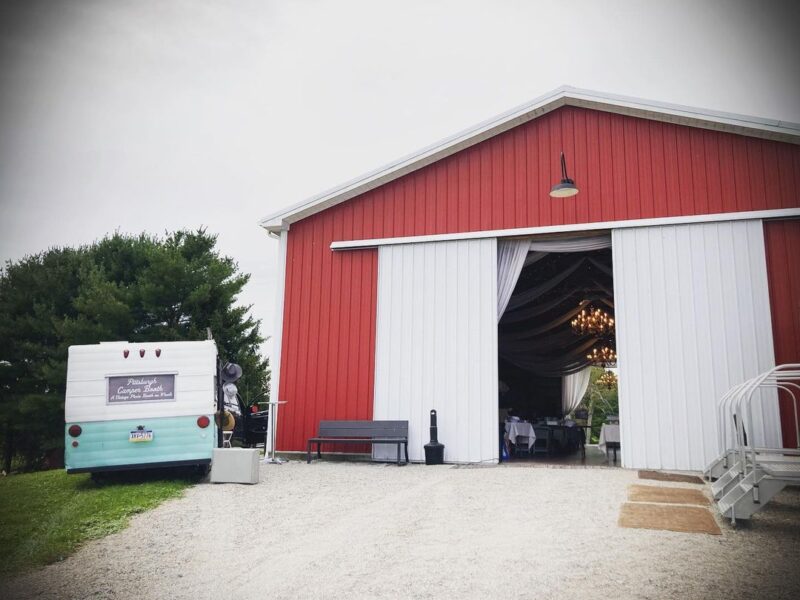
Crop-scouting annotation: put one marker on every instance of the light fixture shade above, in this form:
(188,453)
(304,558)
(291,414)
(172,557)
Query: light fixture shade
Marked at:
(565,189)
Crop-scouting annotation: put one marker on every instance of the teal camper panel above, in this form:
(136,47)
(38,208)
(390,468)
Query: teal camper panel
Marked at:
(104,445)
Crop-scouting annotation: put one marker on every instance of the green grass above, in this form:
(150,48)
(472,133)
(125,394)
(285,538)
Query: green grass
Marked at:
(45,516)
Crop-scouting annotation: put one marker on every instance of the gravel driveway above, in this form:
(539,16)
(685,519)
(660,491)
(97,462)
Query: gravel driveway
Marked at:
(355,530)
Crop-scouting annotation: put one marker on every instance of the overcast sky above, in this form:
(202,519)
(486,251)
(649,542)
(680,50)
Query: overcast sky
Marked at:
(142,115)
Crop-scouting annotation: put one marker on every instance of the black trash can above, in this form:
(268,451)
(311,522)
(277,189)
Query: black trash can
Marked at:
(434,451)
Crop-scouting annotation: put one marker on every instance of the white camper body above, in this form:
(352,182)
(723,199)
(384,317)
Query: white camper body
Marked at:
(140,405)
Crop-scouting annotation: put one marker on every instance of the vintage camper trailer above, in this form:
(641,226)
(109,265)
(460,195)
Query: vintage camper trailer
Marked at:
(140,405)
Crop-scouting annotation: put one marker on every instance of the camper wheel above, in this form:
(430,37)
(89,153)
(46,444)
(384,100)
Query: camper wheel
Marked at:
(203,470)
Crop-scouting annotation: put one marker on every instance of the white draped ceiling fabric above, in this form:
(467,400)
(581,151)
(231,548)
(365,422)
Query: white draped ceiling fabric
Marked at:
(573,387)
(586,244)
(512,257)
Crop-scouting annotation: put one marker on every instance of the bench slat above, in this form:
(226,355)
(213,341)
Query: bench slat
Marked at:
(365,422)
(364,429)
(362,440)
(361,433)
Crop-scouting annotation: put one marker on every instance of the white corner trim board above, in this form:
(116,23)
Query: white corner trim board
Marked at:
(781,213)
(277,336)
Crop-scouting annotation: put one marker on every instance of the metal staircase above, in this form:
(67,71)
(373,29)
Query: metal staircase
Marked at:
(720,465)
(723,484)
(745,477)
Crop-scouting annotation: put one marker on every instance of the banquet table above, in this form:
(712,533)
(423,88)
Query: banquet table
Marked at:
(520,429)
(609,438)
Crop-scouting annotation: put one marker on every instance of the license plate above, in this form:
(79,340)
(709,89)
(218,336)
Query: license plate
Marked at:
(141,436)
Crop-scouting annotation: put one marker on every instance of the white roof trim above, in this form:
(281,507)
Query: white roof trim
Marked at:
(564,96)
(577,228)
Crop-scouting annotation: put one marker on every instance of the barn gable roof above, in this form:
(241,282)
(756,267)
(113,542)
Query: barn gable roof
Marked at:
(770,129)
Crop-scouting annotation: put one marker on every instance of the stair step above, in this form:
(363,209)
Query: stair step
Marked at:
(721,464)
(732,497)
(718,487)
(788,470)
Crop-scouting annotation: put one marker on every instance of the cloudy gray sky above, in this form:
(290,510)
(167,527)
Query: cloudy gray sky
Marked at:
(143,115)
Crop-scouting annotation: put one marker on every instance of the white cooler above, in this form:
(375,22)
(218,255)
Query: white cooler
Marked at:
(235,465)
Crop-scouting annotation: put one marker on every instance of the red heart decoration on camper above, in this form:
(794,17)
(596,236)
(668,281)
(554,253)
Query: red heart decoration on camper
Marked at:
(141,352)
(125,353)
(158,352)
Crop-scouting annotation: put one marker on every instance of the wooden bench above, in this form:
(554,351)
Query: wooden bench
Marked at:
(360,432)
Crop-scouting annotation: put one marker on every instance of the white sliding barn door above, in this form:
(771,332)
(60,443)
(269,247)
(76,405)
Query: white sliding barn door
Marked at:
(436,346)
(693,319)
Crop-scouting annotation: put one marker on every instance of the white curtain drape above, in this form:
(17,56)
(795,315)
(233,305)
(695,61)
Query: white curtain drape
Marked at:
(510,259)
(573,387)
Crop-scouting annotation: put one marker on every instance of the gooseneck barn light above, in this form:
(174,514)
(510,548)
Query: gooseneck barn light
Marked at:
(566,187)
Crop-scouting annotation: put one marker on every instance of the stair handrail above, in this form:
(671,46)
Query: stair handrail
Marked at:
(788,379)
(781,384)
(788,374)
(785,373)
(743,409)
(726,425)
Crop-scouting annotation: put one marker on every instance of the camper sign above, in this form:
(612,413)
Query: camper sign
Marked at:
(141,388)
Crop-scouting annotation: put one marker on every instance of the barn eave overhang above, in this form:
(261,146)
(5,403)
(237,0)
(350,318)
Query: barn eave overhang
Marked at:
(770,129)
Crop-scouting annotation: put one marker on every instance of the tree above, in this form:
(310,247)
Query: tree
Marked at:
(139,288)
(600,401)
(35,294)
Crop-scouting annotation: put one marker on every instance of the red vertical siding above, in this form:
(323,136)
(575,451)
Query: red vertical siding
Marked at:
(782,241)
(329,327)
(626,168)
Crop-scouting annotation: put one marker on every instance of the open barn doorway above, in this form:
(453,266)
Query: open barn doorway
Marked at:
(557,399)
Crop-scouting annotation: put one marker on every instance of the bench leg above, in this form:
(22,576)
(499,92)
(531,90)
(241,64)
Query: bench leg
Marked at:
(398,455)
(308,453)
(406,447)
(319,445)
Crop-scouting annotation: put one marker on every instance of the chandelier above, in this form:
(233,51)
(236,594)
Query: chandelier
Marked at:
(603,355)
(608,379)
(593,321)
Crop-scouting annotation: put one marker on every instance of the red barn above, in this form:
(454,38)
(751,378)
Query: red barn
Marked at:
(423,284)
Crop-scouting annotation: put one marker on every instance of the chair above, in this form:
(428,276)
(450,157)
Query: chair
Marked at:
(226,439)
(521,446)
(544,439)
(576,439)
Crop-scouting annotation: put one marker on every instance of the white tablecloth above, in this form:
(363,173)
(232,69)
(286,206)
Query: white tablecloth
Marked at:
(608,433)
(520,429)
